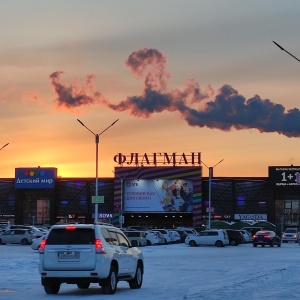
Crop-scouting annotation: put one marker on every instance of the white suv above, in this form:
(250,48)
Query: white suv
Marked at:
(86,253)
(217,237)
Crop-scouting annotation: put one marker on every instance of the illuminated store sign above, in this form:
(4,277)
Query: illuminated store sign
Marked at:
(260,217)
(158,158)
(35,178)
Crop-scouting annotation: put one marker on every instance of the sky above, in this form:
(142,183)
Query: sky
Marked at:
(173,272)
(179,76)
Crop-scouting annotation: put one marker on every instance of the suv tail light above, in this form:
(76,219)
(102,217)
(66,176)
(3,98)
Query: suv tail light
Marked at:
(99,247)
(42,246)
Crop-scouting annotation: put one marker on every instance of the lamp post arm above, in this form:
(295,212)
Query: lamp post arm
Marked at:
(109,126)
(86,127)
(281,48)
(218,162)
(4,146)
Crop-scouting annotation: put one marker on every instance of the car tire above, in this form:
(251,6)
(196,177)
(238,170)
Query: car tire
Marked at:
(52,287)
(254,245)
(233,243)
(272,244)
(109,285)
(85,285)
(192,243)
(219,244)
(137,281)
(279,244)
(24,242)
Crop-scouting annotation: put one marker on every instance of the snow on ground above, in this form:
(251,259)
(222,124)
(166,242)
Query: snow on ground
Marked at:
(173,272)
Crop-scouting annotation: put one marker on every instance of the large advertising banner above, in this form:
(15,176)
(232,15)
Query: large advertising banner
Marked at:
(158,195)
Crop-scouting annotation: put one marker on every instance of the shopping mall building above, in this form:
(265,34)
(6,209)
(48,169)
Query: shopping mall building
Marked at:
(151,190)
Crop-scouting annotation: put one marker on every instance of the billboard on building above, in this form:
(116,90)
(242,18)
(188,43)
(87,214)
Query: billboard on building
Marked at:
(158,195)
(284,176)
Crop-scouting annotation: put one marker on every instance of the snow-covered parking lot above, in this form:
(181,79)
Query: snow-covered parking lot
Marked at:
(173,272)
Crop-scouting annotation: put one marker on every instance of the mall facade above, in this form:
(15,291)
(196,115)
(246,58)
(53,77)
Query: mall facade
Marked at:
(151,196)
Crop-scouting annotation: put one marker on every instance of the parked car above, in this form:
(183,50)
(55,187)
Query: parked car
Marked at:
(37,231)
(216,237)
(139,228)
(290,235)
(235,237)
(139,236)
(17,236)
(175,237)
(188,231)
(162,240)
(252,230)
(264,237)
(166,234)
(153,238)
(247,236)
(35,245)
(182,235)
(82,254)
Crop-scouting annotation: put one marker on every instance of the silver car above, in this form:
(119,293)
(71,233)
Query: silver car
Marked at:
(17,236)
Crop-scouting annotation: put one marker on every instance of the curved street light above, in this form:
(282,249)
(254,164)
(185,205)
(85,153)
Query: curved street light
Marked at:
(97,135)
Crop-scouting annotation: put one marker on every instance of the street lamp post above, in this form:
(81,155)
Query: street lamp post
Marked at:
(97,135)
(210,175)
(4,146)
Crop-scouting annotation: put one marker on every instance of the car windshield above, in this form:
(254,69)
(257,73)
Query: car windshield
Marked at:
(290,231)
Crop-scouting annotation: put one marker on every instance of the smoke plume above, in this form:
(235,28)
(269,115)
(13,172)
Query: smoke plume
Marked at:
(74,95)
(224,109)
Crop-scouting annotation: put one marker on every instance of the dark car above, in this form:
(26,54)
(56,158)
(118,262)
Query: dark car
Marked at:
(235,237)
(266,237)
(182,234)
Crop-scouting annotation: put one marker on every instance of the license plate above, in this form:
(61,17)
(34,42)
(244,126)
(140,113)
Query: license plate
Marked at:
(68,255)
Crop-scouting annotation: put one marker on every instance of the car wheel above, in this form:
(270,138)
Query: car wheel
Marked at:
(85,285)
(254,245)
(219,244)
(137,281)
(192,243)
(272,244)
(148,243)
(279,244)
(233,243)
(52,287)
(109,285)
(1,242)
(24,242)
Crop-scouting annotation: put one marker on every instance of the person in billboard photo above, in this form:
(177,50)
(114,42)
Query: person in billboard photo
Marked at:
(178,201)
(187,195)
(167,202)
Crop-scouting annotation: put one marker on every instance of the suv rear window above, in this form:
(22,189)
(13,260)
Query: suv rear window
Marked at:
(77,236)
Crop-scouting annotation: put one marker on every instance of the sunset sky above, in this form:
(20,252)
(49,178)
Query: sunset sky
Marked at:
(181,76)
